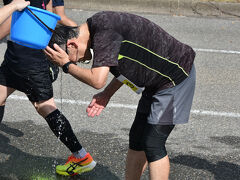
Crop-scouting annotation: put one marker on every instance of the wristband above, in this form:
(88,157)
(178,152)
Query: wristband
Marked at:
(65,67)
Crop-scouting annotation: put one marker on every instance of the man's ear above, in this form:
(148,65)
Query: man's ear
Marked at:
(71,43)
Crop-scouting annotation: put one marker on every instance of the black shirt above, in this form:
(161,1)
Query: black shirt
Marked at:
(139,49)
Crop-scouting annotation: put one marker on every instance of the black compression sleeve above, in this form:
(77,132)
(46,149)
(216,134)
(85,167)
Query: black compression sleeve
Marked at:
(63,130)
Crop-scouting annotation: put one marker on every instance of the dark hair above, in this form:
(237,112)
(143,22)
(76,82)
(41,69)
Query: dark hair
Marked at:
(62,34)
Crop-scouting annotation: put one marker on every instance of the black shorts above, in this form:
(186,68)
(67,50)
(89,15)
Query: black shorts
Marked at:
(57,3)
(141,132)
(34,81)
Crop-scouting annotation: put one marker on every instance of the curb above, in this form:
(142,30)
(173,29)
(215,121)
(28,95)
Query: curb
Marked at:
(173,7)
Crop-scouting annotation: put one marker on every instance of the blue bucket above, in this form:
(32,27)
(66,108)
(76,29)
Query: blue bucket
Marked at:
(28,31)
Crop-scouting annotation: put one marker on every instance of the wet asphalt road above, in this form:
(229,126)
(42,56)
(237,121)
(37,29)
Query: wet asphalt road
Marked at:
(207,148)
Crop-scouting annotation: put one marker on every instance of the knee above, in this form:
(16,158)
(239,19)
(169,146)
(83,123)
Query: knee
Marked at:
(2,103)
(154,140)
(154,148)
(39,107)
(36,106)
(44,108)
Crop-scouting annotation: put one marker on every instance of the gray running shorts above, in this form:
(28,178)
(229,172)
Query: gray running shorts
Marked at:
(169,106)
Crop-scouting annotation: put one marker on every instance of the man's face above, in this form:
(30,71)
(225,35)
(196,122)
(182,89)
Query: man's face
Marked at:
(78,51)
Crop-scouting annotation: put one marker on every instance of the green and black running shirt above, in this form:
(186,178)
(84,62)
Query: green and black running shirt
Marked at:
(139,50)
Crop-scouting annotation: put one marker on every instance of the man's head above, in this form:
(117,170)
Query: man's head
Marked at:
(73,40)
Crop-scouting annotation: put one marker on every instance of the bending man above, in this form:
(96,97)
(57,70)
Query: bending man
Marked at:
(143,56)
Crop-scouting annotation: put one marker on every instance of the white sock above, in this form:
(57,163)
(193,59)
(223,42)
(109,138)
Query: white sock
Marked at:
(80,154)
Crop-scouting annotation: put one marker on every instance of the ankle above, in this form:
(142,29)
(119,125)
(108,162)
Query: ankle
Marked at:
(80,154)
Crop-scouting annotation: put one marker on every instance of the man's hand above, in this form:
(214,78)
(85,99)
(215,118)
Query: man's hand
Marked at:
(57,56)
(20,4)
(98,103)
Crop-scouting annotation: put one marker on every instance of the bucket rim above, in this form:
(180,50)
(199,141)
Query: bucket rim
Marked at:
(44,11)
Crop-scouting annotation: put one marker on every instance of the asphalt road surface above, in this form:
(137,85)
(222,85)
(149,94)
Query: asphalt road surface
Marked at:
(207,148)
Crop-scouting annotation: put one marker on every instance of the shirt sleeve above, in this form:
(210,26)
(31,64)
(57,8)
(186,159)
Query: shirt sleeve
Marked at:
(5,2)
(106,46)
(57,3)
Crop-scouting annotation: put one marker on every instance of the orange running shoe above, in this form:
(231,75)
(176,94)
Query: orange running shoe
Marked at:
(76,166)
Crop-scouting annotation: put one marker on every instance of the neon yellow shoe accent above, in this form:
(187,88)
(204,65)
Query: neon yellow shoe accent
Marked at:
(76,166)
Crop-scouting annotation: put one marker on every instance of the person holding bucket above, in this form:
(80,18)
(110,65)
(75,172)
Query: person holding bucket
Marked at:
(15,5)
(146,58)
(6,11)
(58,8)
(27,70)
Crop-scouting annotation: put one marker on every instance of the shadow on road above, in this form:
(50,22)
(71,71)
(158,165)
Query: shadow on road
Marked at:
(29,151)
(11,131)
(228,140)
(221,170)
(18,164)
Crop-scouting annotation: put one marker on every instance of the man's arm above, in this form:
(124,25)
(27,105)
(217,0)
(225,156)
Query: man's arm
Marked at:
(100,100)
(5,28)
(95,77)
(7,10)
(49,6)
(112,87)
(59,10)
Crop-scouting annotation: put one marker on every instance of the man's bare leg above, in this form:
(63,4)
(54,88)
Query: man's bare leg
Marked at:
(159,170)
(136,163)
(4,93)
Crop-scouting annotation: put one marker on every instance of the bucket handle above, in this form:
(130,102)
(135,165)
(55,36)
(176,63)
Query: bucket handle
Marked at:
(50,29)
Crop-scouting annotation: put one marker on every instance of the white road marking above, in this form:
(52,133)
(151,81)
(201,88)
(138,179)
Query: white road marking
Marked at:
(134,107)
(217,51)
